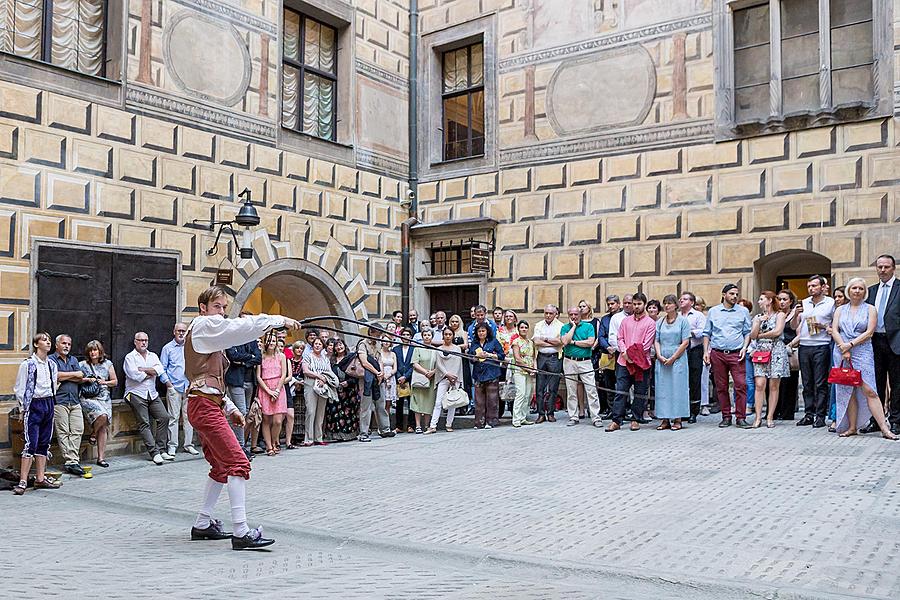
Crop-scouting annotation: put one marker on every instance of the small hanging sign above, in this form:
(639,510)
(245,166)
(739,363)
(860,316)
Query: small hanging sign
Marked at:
(224,276)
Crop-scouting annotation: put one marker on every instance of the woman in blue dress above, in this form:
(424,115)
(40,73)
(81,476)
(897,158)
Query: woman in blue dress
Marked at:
(852,329)
(673,334)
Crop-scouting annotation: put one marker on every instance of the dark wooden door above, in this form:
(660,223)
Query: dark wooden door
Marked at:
(107,296)
(454,300)
(73,294)
(144,298)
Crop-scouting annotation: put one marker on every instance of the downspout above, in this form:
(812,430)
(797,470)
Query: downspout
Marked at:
(413,178)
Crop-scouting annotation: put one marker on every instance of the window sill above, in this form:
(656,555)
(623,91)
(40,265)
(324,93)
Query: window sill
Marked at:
(846,113)
(316,147)
(36,73)
(457,161)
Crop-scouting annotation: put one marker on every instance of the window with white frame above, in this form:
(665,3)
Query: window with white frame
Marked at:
(68,33)
(785,63)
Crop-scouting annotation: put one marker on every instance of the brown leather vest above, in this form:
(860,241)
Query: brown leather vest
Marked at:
(204,370)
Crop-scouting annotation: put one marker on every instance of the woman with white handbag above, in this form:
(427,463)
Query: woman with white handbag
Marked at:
(449,379)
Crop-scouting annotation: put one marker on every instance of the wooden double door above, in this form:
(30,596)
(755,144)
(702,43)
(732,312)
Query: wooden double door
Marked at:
(454,300)
(102,295)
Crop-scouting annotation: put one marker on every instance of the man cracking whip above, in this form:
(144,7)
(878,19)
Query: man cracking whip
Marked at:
(208,337)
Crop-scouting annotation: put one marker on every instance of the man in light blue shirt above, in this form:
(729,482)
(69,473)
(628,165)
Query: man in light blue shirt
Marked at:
(725,340)
(172,359)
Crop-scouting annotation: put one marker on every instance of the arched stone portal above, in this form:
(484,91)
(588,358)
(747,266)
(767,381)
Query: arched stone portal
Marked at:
(790,268)
(297,288)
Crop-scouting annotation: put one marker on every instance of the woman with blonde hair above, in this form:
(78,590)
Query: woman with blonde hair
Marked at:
(852,330)
(271,376)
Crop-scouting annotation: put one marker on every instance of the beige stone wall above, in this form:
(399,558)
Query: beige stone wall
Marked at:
(685,218)
(609,180)
(136,170)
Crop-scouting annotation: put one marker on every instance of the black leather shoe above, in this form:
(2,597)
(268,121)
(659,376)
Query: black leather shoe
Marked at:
(871,427)
(726,422)
(387,434)
(214,531)
(692,419)
(820,422)
(742,424)
(254,540)
(806,420)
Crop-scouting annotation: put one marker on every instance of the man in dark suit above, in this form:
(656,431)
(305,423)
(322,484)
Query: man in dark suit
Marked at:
(885,297)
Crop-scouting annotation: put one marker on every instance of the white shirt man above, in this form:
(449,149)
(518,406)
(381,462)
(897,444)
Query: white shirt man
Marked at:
(142,367)
(616,320)
(549,358)
(812,322)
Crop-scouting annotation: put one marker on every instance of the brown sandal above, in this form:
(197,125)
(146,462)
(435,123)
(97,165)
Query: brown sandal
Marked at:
(677,426)
(664,425)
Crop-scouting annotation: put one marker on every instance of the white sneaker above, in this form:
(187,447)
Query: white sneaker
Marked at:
(191,450)
(165,456)
(488,426)
(704,412)
(158,459)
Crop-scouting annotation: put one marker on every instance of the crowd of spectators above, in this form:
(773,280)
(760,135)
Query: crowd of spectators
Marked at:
(670,360)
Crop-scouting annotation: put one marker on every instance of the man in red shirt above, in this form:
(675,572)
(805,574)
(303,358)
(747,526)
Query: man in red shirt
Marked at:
(635,338)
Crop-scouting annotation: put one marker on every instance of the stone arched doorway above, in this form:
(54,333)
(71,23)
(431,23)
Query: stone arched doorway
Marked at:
(790,269)
(295,288)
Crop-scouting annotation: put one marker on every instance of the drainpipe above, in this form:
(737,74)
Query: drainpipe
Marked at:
(413,178)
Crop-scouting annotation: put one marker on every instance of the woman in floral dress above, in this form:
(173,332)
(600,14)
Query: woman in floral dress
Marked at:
(768,333)
(342,417)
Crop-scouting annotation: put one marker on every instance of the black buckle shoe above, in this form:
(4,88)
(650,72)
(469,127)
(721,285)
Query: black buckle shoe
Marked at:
(254,540)
(871,427)
(214,531)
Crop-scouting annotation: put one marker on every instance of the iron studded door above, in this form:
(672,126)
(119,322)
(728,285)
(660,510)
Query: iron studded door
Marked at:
(144,298)
(73,295)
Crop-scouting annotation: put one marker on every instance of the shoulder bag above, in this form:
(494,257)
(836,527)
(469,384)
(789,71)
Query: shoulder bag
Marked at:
(842,375)
(355,368)
(90,389)
(761,357)
(456,397)
(419,381)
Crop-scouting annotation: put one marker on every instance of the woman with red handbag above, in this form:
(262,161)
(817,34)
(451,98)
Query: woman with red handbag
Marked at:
(854,378)
(771,360)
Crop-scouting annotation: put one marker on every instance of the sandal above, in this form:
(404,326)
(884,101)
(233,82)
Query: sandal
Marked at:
(270,453)
(450,429)
(418,430)
(664,425)
(847,434)
(676,426)
(409,430)
(102,463)
(430,430)
(291,447)
(92,440)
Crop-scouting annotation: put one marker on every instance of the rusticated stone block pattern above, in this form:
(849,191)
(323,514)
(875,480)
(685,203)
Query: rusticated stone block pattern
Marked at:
(686,217)
(71,169)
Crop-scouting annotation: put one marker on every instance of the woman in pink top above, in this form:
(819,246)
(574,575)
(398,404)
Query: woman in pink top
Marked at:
(271,376)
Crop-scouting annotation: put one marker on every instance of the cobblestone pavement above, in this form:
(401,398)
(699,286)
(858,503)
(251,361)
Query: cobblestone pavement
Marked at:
(541,512)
